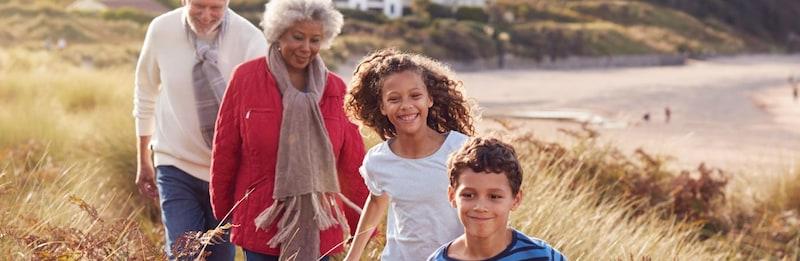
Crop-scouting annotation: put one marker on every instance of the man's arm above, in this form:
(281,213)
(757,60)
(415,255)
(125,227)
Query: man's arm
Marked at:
(146,90)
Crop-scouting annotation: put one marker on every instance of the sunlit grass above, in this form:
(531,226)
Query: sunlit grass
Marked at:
(68,131)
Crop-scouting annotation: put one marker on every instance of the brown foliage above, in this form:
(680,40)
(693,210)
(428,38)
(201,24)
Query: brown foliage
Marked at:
(100,240)
(191,244)
(695,196)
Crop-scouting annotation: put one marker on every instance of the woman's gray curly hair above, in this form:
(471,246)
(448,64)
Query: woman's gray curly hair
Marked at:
(279,15)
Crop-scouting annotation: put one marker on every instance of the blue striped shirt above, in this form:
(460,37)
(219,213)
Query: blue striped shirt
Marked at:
(521,247)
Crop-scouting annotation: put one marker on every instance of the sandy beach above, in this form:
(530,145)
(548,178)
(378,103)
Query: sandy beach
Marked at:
(736,113)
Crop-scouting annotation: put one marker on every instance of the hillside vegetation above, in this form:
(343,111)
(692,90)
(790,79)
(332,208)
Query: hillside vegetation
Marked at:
(67,142)
(534,29)
(67,165)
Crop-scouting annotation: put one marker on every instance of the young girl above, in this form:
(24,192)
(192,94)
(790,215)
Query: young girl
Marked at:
(417,108)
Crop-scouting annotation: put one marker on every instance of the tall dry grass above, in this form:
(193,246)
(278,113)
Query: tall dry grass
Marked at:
(582,217)
(578,219)
(67,164)
(66,148)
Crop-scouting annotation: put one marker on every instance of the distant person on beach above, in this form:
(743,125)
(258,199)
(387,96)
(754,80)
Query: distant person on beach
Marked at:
(283,135)
(61,44)
(646,117)
(667,114)
(417,107)
(187,55)
(793,83)
(485,180)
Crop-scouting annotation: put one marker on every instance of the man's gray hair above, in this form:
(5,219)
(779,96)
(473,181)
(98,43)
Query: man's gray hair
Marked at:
(279,15)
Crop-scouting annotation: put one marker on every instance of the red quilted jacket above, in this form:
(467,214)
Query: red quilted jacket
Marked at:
(245,152)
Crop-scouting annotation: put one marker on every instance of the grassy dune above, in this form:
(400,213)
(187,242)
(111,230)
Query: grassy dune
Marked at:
(66,184)
(67,156)
(66,132)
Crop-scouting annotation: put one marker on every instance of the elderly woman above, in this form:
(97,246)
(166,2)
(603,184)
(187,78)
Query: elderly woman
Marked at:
(285,158)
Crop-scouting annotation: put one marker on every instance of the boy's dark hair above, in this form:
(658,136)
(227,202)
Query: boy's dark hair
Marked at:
(486,155)
(450,110)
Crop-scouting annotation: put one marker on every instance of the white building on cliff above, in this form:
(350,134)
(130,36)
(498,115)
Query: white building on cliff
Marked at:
(394,8)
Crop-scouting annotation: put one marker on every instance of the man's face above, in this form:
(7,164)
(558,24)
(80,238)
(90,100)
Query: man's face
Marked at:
(205,15)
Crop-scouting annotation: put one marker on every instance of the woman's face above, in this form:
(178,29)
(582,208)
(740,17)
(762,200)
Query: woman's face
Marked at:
(300,44)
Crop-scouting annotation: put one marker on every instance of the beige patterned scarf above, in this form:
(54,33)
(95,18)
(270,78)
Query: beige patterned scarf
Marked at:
(306,184)
(208,83)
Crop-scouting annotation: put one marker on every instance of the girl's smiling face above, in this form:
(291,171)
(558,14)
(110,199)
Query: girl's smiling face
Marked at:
(405,101)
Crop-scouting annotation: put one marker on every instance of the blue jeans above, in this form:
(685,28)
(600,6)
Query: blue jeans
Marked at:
(185,207)
(253,256)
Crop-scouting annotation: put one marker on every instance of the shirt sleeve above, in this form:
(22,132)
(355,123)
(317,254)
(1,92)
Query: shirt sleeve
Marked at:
(146,85)
(370,178)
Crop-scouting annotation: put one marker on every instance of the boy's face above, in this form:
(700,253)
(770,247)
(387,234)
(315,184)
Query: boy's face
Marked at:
(484,201)
(405,101)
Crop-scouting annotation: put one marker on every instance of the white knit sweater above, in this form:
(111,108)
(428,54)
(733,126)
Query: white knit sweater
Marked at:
(164,104)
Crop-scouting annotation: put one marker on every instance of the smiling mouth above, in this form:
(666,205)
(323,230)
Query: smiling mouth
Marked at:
(409,117)
(480,219)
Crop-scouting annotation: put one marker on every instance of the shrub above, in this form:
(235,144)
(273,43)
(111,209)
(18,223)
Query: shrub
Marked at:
(462,41)
(476,14)
(358,15)
(127,14)
(438,11)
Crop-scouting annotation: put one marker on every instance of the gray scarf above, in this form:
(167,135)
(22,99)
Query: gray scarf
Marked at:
(209,85)
(306,183)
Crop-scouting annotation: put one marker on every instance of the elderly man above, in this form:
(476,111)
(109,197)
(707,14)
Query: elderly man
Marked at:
(182,73)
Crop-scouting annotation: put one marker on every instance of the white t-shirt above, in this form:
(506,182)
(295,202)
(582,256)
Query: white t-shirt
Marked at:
(420,217)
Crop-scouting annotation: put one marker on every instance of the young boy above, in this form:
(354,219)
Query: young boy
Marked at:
(485,178)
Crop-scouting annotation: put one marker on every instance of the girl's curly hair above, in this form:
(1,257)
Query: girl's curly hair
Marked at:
(450,110)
